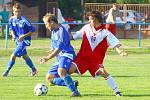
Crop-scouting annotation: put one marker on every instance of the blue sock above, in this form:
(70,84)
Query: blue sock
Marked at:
(69,83)
(29,63)
(58,81)
(10,64)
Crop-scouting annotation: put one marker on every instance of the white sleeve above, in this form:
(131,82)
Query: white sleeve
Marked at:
(78,34)
(111,39)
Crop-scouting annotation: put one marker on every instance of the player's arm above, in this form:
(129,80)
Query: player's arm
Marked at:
(25,35)
(31,30)
(77,35)
(50,51)
(115,43)
(49,56)
(11,30)
(120,51)
(12,34)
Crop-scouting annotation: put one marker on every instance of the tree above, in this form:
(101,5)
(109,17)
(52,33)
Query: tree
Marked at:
(133,1)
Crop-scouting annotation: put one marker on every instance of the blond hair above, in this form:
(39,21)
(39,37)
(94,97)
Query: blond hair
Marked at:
(50,17)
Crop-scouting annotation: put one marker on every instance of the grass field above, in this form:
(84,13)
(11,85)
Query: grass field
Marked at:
(131,74)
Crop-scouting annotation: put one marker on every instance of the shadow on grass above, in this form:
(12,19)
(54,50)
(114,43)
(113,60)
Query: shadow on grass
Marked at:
(13,76)
(99,95)
(57,95)
(82,95)
(137,95)
(112,76)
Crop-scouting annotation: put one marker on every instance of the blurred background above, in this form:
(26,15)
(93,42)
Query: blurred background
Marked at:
(71,14)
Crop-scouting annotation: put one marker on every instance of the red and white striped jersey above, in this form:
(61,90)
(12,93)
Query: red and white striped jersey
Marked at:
(94,43)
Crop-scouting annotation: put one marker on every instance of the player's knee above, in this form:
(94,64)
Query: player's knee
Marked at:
(25,56)
(103,73)
(62,72)
(13,57)
(72,69)
(49,78)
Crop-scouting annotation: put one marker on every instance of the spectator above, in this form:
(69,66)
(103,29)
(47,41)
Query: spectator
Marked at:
(4,19)
(111,19)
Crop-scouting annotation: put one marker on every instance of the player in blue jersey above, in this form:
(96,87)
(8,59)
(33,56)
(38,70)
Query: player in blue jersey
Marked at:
(58,74)
(21,30)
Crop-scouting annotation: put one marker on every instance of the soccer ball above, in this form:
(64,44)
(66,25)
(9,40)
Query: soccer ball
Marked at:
(40,89)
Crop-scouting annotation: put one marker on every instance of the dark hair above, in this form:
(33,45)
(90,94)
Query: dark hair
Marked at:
(54,19)
(50,17)
(17,6)
(95,14)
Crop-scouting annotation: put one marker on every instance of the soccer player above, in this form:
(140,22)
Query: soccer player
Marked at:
(21,30)
(111,19)
(64,52)
(95,41)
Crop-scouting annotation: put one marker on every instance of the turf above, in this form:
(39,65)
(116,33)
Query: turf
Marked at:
(131,74)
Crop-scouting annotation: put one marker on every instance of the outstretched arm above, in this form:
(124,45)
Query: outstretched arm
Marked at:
(12,34)
(76,35)
(115,43)
(31,30)
(71,36)
(24,36)
(52,54)
(120,51)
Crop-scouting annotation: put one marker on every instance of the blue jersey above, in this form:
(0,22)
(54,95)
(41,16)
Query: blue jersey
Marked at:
(61,40)
(20,27)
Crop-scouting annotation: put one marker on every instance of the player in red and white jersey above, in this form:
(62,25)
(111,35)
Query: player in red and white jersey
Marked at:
(95,41)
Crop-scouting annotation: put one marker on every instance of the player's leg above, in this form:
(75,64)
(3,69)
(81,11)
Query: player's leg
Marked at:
(68,81)
(73,69)
(63,71)
(102,72)
(53,78)
(16,53)
(10,64)
(29,63)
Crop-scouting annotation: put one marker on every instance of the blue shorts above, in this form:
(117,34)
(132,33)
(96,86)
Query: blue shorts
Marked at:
(63,62)
(20,50)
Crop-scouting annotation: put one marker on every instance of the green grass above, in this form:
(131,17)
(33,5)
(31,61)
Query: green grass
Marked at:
(131,74)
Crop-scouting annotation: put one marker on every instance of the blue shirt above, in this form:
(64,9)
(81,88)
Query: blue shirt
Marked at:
(20,27)
(61,40)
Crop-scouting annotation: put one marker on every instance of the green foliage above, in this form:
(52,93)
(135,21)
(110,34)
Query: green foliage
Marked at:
(100,1)
(71,8)
(132,1)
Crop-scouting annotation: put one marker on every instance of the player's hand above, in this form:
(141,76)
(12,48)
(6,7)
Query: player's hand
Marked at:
(13,39)
(49,52)
(123,53)
(43,60)
(21,38)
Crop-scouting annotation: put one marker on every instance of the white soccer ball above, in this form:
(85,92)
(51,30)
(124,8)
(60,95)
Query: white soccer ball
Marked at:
(40,89)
